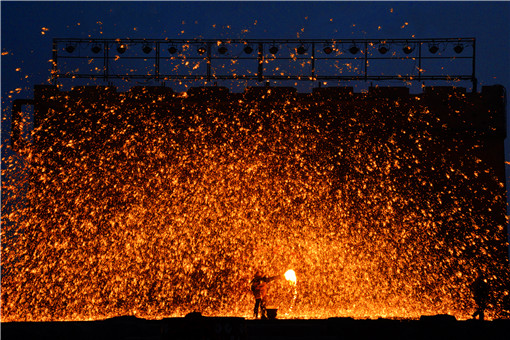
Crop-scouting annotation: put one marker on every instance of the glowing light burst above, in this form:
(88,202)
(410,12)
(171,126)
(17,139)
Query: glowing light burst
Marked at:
(290,275)
(163,209)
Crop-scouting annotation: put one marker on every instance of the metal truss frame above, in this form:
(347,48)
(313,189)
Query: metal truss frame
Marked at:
(312,51)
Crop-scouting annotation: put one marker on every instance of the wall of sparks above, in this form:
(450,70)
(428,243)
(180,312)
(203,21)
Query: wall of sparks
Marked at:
(156,206)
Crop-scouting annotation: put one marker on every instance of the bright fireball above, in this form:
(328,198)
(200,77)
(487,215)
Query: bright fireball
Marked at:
(290,275)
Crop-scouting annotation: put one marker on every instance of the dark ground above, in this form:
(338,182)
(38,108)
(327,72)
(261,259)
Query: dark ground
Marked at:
(132,328)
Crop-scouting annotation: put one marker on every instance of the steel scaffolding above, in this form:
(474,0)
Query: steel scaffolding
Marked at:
(71,57)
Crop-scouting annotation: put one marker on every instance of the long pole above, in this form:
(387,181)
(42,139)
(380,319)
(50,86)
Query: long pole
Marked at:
(208,62)
(54,60)
(106,68)
(473,74)
(156,64)
(260,59)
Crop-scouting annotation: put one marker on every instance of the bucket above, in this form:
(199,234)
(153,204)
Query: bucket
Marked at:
(271,313)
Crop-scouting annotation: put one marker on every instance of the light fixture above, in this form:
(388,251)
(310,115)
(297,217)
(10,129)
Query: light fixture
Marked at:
(301,49)
(172,50)
(70,48)
(383,49)
(248,49)
(458,48)
(273,49)
(201,50)
(407,49)
(121,48)
(96,49)
(222,49)
(328,49)
(146,49)
(354,49)
(433,48)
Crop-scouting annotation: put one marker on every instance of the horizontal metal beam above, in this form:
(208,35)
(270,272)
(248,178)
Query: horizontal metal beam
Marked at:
(267,77)
(264,41)
(268,59)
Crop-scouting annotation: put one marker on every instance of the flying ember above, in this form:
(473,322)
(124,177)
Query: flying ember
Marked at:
(157,204)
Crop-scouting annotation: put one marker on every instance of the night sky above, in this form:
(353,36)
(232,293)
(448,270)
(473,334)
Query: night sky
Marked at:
(29,27)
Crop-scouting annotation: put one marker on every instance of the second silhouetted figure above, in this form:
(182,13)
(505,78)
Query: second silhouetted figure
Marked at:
(480,290)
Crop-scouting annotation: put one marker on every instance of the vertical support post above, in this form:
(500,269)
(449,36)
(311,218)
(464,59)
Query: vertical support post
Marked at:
(313,62)
(419,61)
(366,60)
(156,64)
(260,59)
(55,67)
(106,71)
(473,74)
(208,62)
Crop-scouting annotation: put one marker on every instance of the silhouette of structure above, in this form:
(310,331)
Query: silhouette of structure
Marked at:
(447,59)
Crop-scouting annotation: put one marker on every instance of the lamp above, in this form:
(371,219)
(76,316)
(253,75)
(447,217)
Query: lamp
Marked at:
(433,48)
(407,49)
(96,49)
(383,49)
(354,49)
(121,48)
(201,50)
(328,49)
(146,49)
(70,48)
(222,49)
(273,49)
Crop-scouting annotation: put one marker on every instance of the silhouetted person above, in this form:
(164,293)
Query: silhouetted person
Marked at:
(259,289)
(480,290)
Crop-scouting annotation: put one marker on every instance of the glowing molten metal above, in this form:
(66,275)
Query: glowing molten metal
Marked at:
(161,209)
(290,275)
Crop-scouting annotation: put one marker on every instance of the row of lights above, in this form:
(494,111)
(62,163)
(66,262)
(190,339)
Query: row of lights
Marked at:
(222,49)
(383,49)
(407,49)
(121,48)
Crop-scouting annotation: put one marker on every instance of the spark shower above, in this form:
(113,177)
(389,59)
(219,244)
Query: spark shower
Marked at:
(156,204)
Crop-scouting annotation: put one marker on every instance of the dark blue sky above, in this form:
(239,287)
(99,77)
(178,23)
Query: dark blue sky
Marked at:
(29,27)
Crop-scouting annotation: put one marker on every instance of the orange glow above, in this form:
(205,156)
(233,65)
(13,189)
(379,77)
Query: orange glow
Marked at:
(160,208)
(290,275)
